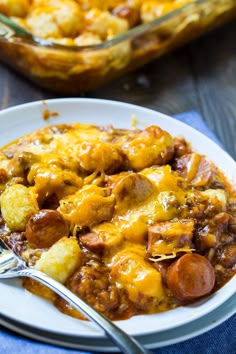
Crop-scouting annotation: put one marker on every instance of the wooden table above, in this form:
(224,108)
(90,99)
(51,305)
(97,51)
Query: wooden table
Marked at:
(200,76)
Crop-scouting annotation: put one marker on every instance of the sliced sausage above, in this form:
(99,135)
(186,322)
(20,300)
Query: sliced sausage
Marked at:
(102,237)
(93,242)
(3,176)
(170,236)
(195,168)
(190,277)
(181,147)
(46,227)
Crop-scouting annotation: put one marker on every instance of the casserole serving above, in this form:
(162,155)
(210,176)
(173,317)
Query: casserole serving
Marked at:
(133,221)
(154,330)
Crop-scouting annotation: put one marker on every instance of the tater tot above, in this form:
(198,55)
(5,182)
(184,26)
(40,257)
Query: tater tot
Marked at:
(151,10)
(100,156)
(104,24)
(131,272)
(18,203)
(153,146)
(61,260)
(56,20)
(17,8)
(89,206)
(87,38)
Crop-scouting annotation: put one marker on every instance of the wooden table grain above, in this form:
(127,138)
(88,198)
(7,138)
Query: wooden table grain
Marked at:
(200,76)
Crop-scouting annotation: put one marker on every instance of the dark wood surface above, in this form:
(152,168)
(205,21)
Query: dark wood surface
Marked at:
(200,76)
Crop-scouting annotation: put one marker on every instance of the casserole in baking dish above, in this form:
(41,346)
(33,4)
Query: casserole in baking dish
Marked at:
(84,44)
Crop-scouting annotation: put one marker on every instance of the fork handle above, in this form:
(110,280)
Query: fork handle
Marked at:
(125,343)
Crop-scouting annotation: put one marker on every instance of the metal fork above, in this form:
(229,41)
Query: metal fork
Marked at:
(12,266)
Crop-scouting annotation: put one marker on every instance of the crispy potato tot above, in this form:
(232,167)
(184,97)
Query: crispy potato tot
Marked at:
(61,260)
(18,204)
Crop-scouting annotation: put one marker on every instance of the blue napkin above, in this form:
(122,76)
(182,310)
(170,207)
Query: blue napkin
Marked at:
(220,340)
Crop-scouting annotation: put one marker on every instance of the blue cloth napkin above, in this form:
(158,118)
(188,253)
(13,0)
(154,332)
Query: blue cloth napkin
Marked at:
(220,340)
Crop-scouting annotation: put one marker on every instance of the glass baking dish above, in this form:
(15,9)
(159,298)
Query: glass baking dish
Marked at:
(75,69)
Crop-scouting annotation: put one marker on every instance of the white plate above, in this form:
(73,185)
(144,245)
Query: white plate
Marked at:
(23,119)
(151,341)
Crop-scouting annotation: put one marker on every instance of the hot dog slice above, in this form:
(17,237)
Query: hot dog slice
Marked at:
(190,277)
(46,227)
